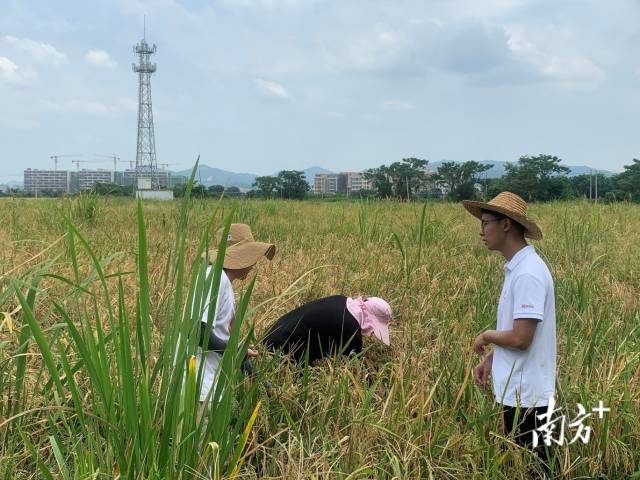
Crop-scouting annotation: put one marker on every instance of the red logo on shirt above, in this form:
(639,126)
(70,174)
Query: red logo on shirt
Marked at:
(524,305)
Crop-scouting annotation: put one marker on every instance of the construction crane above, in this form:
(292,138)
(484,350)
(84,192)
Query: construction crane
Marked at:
(131,163)
(56,157)
(165,164)
(115,159)
(78,162)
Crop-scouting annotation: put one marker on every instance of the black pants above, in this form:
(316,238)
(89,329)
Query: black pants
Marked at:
(522,426)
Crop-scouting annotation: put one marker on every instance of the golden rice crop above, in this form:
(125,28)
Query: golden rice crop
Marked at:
(410,411)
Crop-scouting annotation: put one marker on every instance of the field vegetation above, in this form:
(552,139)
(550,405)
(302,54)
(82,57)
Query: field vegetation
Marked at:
(98,298)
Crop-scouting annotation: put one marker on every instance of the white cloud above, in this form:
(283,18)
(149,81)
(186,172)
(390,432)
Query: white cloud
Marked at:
(572,70)
(269,4)
(376,50)
(40,52)
(398,106)
(389,38)
(272,89)
(565,67)
(9,71)
(100,58)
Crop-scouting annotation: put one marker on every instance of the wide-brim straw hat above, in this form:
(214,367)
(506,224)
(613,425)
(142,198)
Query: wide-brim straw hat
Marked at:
(510,205)
(242,250)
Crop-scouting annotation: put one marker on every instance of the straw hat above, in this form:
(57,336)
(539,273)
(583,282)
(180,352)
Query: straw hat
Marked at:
(242,250)
(510,205)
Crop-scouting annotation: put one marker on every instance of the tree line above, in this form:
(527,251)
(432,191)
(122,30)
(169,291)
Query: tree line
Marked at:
(535,178)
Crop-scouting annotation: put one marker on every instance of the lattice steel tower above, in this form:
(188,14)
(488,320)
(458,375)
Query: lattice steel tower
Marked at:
(146,163)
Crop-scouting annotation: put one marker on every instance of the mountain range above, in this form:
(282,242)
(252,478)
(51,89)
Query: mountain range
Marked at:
(498,168)
(208,176)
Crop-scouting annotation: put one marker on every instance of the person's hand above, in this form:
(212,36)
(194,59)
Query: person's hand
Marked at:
(252,352)
(479,343)
(481,373)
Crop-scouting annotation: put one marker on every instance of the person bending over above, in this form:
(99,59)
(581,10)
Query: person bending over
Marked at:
(329,326)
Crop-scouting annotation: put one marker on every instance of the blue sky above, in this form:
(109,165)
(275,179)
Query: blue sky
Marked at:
(262,85)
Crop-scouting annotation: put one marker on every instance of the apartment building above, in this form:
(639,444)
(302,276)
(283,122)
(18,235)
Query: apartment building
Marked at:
(36,181)
(343,183)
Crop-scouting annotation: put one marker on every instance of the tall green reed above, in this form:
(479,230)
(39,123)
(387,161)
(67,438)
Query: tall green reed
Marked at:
(113,400)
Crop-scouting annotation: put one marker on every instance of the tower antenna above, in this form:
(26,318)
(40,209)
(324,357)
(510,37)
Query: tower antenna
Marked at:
(146,172)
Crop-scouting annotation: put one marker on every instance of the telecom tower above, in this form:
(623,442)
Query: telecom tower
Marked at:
(146,164)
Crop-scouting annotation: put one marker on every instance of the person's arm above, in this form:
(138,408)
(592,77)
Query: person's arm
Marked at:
(528,300)
(518,338)
(211,343)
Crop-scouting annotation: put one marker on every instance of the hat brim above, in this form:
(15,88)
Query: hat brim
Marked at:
(531,229)
(245,255)
(381,332)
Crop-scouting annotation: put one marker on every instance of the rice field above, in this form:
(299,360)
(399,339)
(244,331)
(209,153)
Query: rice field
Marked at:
(95,373)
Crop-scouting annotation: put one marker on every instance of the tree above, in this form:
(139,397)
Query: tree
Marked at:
(179,190)
(401,179)
(380,181)
(112,189)
(408,176)
(215,190)
(198,191)
(531,177)
(267,186)
(581,184)
(559,188)
(292,184)
(584,186)
(628,182)
(459,179)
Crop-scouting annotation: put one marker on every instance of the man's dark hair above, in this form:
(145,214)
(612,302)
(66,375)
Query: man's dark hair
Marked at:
(502,216)
(497,215)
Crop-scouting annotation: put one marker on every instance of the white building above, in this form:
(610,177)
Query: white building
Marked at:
(86,179)
(356,181)
(344,182)
(36,181)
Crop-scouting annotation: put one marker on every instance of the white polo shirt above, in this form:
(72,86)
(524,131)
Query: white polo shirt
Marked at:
(225,312)
(526,378)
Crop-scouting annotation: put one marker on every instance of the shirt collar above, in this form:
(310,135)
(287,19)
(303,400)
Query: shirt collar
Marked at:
(518,257)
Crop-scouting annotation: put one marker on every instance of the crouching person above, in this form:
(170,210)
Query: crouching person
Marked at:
(241,254)
(329,326)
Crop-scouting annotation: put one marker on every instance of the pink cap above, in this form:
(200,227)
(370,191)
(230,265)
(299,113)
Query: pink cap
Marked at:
(373,314)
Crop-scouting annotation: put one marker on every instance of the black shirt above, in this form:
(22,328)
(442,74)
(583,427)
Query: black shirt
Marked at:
(324,326)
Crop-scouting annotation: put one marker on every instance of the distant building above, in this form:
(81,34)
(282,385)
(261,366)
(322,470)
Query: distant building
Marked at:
(325,183)
(344,183)
(86,179)
(36,181)
(68,181)
(356,181)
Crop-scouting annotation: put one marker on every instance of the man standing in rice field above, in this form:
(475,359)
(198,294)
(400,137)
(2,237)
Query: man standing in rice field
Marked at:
(522,362)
